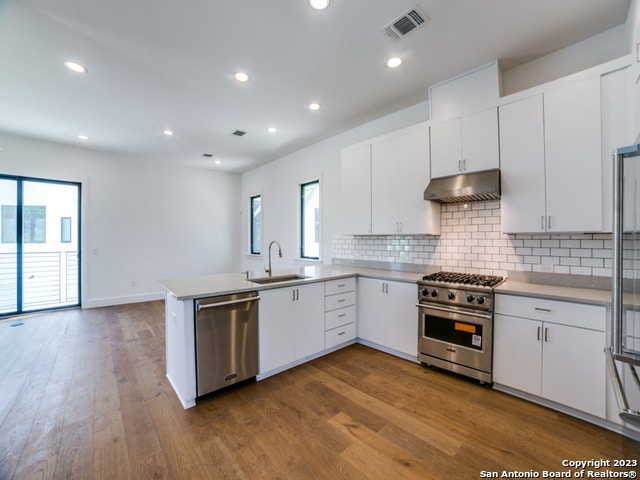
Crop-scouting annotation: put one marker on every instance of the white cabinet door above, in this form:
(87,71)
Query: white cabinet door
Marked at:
(371,310)
(355,188)
(401,324)
(387,314)
(291,324)
(573,371)
(384,186)
(517,353)
(446,148)
(309,319)
(467,144)
(415,215)
(276,329)
(573,136)
(522,166)
(480,150)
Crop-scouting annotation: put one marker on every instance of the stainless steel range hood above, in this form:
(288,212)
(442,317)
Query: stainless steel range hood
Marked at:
(466,187)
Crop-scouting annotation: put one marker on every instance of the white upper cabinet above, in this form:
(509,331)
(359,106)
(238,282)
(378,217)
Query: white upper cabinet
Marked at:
(523,202)
(396,167)
(463,145)
(551,163)
(355,178)
(573,135)
(399,174)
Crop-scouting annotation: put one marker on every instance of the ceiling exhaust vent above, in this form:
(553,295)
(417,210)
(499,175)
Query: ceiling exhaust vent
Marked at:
(239,133)
(405,23)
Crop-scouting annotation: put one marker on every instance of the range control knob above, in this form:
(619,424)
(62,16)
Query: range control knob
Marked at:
(434,292)
(482,300)
(451,295)
(471,298)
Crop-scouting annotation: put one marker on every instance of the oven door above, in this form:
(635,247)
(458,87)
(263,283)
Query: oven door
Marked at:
(450,336)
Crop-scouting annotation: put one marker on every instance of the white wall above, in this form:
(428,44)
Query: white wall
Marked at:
(593,51)
(142,220)
(278,182)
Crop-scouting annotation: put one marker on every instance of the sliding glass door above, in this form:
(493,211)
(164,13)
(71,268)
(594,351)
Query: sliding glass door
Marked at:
(39,244)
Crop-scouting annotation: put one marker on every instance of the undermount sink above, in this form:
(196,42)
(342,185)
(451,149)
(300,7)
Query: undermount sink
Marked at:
(277,279)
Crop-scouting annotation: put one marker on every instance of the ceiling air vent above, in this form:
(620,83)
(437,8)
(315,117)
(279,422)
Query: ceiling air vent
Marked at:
(405,23)
(239,133)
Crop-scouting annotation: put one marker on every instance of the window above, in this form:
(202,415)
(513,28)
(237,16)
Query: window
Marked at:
(9,224)
(34,224)
(255,225)
(65,230)
(310,220)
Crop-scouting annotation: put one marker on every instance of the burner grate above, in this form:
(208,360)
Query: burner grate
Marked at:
(464,279)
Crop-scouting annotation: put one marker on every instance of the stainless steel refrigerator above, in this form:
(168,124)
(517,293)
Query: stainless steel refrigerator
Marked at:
(624,353)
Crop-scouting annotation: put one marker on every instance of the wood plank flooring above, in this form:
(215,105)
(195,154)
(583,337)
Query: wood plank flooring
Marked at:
(83,395)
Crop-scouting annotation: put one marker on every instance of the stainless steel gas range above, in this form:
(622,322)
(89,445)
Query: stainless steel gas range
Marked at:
(456,322)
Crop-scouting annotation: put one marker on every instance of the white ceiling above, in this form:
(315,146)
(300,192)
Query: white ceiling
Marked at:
(161,64)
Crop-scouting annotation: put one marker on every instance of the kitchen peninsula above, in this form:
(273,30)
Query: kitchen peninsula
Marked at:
(329,322)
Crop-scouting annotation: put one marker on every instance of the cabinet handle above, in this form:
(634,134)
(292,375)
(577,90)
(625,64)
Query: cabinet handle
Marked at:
(538,337)
(342,332)
(340,285)
(546,334)
(342,315)
(386,288)
(293,292)
(341,300)
(464,164)
(459,165)
(542,222)
(538,309)
(549,222)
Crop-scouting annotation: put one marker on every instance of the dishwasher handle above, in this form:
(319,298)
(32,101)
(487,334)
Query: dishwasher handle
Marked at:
(229,302)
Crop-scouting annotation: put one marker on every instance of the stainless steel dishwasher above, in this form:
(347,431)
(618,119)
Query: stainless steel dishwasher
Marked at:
(226,340)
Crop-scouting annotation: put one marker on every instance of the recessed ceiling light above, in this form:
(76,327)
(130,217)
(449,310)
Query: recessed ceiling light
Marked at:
(319,4)
(168,133)
(75,67)
(242,77)
(83,137)
(394,62)
(272,129)
(314,106)
(217,162)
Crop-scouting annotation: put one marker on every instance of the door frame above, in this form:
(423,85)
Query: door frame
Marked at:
(20,180)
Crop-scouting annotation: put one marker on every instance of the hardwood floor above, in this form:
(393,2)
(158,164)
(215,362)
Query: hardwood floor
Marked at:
(83,395)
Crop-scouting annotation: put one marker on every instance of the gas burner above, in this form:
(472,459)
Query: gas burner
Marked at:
(470,279)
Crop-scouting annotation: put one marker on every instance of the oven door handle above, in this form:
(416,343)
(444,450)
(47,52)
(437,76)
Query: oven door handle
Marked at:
(449,310)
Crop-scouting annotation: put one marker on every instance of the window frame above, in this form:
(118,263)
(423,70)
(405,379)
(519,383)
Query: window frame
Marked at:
(252,227)
(317,220)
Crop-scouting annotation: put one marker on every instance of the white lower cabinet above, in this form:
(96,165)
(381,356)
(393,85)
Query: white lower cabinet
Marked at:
(291,325)
(553,350)
(387,315)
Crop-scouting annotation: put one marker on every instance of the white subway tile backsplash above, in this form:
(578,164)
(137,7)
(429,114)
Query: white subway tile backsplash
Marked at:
(472,242)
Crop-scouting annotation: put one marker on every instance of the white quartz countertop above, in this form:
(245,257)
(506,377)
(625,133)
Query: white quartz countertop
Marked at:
(200,286)
(555,292)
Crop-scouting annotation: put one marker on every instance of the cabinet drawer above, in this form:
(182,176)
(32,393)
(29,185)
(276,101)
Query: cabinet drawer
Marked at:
(566,313)
(333,287)
(340,300)
(339,335)
(341,316)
